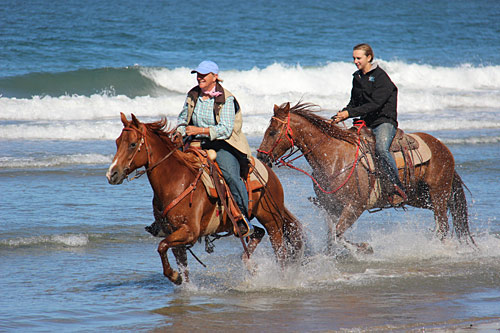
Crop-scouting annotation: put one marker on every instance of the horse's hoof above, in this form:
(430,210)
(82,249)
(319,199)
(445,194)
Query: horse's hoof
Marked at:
(365,248)
(249,264)
(339,253)
(176,278)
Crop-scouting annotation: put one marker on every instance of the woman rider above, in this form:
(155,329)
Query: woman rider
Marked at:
(374,99)
(213,115)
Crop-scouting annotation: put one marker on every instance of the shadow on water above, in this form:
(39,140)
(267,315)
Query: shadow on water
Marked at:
(153,282)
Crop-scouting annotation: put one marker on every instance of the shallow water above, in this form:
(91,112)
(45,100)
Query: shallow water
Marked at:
(75,257)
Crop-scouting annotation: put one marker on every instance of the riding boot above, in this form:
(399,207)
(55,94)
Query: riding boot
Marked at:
(391,183)
(245,227)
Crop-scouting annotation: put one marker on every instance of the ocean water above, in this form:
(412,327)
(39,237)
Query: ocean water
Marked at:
(74,255)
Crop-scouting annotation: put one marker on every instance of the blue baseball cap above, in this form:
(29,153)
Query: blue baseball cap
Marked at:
(206,67)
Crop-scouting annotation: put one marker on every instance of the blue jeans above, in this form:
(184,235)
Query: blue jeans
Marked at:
(230,166)
(384,134)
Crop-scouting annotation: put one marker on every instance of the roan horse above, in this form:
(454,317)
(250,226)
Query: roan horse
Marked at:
(343,186)
(170,171)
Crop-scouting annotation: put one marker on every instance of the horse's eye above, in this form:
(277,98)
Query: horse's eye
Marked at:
(273,133)
(133,145)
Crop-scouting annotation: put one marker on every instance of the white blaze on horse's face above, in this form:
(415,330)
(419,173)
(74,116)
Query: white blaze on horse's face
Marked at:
(110,170)
(115,173)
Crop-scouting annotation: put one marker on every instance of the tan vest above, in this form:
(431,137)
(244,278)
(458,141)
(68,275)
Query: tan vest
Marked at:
(237,138)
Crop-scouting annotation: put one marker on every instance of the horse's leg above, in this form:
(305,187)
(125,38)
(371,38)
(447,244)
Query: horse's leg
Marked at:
(330,233)
(266,211)
(280,224)
(181,258)
(172,275)
(293,234)
(179,237)
(347,218)
(276,238)
(271,220)
(333,209)
(439,178)
(253,241)
(439,207)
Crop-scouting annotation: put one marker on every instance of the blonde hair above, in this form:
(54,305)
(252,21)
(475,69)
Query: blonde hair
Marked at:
(365,47)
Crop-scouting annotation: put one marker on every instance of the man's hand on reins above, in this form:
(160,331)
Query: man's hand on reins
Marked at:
(340,116)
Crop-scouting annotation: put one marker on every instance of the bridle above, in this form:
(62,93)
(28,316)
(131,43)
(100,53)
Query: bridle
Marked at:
(143,141)
(287,131)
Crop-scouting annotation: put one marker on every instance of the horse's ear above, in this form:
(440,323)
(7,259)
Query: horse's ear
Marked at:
(135,121)
(276,108)
(287,107)
(124,119)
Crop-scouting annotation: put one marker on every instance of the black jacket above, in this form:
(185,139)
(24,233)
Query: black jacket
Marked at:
(374,98)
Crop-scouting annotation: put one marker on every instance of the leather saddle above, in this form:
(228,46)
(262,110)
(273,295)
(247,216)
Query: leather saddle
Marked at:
(256,176)
(401,141)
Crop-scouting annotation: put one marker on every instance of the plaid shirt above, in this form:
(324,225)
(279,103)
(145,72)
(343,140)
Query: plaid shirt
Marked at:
(203,116)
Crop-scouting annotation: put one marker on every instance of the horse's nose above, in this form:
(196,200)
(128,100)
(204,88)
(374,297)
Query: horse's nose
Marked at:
(113,177)
(264,158)
(261,156)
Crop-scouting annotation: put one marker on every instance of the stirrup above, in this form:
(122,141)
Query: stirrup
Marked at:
(244,224)
(399,191)
(398,198)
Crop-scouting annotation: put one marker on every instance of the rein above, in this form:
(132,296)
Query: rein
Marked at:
(289,135)
(283,160)
(144,141)
(189,189)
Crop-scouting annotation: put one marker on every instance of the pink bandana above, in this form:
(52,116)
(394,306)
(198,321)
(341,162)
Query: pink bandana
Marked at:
(212,93)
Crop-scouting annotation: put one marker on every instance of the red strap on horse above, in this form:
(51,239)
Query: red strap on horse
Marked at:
(359,124)
(288,134)
(188,190)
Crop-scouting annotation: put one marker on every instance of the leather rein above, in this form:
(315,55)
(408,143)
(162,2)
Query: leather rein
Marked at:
(286,131)
(142,142)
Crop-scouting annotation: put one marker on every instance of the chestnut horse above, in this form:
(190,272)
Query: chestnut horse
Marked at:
(332,152)
(170,171)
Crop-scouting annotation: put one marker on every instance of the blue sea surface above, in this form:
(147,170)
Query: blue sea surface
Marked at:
(57,36)
(74,255)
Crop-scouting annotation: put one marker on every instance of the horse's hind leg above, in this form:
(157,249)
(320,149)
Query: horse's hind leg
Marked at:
(439,178)
(440,207)
(440,192)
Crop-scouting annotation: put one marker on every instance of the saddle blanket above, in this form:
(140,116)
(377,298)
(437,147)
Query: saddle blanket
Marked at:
(417,156)
(257,179)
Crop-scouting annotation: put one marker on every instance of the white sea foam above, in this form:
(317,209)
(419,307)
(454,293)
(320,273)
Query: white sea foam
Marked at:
(430,99)
(70,240)
(406,252)
(53,161)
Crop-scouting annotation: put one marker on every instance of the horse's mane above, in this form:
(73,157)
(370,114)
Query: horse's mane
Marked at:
(165,132)
(308,111)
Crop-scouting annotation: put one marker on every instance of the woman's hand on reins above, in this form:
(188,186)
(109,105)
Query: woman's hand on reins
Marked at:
(194,130)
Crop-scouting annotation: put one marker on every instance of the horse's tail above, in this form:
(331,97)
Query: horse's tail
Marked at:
(293,235)
(457,205)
